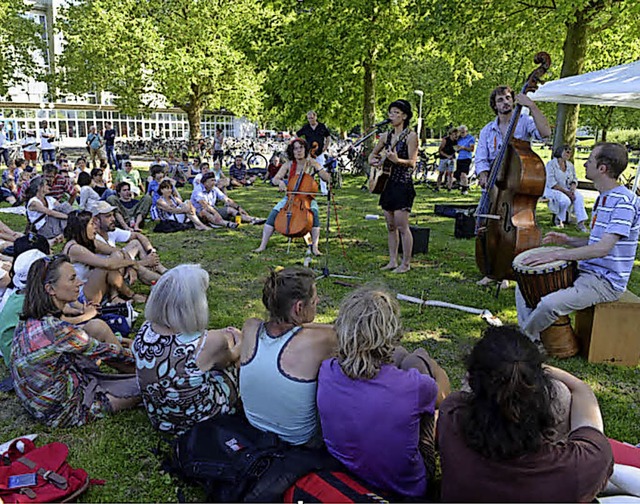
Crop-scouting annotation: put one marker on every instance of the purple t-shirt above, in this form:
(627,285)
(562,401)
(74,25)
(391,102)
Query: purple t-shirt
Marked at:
(373,426)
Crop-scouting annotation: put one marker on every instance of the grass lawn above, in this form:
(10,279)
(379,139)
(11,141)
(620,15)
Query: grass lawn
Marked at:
(119,449)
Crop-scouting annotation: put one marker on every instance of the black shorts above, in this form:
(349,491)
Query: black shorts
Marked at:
(397,196)
(462,166)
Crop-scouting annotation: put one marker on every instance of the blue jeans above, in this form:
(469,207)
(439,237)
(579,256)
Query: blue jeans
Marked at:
(48,156)
(111,157)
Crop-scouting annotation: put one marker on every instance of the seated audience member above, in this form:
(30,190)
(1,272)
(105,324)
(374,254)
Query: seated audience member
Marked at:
(88,196)
(377,401)
(53,363)
(274,165)
(25,243)
(102,277)
(170,208)
(156,174)
(183,171)
(497,442)
(98,184)
(204,198)
(62,188)
(11,309)
(130,213)
(281,358)
(132,177)
(204,169)
(203,381)
(9,188)
(561,188)
(222,181)
(137,245)
(44,214)
(238,174)
(22,184)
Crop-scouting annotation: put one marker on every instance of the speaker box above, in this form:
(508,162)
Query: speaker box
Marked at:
(420,240)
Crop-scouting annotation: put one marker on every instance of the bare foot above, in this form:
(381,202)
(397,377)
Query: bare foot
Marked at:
(403,268)
(484,282)
(389,266)
(258,250)
(316,252)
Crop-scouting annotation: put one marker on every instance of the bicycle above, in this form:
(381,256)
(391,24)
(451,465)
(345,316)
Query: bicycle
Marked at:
(425,167)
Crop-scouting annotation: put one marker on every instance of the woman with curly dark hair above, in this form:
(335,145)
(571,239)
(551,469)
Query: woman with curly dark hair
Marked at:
(499,443)
(299,163)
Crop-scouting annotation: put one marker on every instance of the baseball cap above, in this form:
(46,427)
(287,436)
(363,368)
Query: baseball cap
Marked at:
(101,207)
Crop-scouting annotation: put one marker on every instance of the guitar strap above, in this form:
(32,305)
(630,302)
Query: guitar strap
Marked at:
(403,134)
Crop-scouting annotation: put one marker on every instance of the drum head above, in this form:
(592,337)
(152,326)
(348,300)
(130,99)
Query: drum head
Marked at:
(552,266)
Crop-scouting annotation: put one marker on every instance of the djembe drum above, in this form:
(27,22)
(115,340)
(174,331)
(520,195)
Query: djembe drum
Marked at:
(559,340)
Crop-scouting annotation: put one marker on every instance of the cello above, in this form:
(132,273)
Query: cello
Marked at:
(295,219)
(506,216)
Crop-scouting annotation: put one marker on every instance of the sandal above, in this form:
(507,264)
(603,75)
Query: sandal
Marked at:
(232,225)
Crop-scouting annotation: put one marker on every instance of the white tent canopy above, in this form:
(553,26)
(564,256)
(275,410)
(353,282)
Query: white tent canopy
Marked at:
(617,86)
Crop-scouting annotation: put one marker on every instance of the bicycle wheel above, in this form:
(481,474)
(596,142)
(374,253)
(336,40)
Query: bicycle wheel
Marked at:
(257,161)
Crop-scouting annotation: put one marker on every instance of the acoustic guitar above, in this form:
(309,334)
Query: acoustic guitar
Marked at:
(379,175)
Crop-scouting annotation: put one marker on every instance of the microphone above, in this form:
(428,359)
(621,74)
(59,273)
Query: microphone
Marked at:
(382,123)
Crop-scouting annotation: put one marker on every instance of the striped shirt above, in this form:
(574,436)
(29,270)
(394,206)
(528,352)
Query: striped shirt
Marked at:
(615,212)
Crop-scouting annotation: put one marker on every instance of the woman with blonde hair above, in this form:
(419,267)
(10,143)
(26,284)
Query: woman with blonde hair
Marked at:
(376,400)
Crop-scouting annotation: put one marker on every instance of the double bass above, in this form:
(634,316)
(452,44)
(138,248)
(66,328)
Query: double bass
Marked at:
(295,219)
(506,217)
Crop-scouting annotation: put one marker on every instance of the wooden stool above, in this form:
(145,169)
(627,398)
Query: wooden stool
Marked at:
(609,332)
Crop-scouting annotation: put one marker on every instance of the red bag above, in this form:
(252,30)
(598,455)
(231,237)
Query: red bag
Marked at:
(55,479)
(331,486)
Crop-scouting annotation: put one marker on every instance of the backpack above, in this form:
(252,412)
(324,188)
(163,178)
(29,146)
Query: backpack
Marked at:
(39,474)
(332,486)
(235,462)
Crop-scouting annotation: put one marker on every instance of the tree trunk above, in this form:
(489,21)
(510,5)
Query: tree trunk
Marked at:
(194,116)
(574,50)
(369,105)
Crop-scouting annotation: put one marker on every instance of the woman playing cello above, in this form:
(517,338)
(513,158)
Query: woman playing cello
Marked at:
(299,164)
(398,147)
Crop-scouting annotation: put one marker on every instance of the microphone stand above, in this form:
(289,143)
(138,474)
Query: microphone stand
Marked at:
(325,270)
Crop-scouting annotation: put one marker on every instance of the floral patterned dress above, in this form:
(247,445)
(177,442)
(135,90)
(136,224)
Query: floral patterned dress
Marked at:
(53,365)
(176,392)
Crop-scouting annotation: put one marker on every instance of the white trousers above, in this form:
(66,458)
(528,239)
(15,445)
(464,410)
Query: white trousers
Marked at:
(559,204)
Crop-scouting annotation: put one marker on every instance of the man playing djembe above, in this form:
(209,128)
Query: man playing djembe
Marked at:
(605,259)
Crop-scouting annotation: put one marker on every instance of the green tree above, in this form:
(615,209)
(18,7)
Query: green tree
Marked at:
(191,52)
(21,39)
(347,59)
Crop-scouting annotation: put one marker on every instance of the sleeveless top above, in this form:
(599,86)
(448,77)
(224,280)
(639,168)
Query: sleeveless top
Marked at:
(82,270)
(34,215)
(400,174)
(448,147)
(175,391)
(163,215)
(274,401)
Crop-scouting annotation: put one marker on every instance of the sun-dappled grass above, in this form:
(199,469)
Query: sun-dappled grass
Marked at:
(120,449)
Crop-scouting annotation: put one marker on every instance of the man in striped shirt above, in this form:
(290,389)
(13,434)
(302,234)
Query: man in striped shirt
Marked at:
(605,258)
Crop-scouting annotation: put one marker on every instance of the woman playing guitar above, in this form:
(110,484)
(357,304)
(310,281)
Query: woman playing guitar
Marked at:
(298,153)
(397,150)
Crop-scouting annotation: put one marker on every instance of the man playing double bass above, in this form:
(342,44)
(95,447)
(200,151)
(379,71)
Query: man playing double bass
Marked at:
(530,127)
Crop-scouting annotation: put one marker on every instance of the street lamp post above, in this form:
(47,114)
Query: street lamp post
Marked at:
(420,93)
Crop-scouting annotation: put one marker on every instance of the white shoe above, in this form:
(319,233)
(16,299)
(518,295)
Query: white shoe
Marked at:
(581,227)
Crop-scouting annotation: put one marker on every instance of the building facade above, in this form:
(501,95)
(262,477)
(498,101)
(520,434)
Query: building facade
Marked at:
(71,116)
